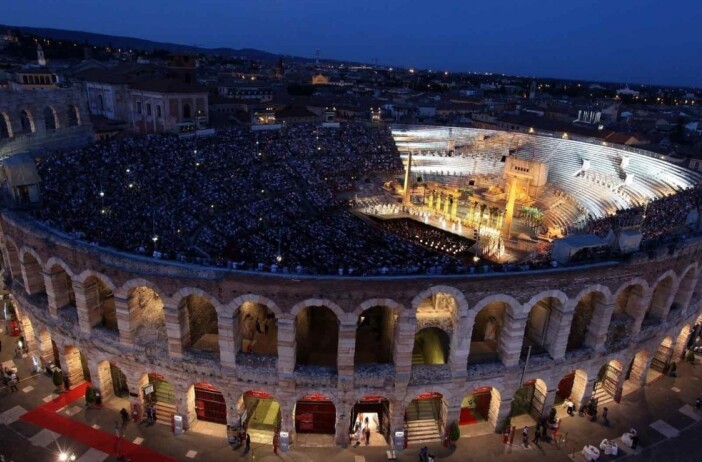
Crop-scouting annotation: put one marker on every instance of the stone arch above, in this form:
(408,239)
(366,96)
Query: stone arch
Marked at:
(637,373)
(95,298)
(481,401)
(588,305)
(263,410)
(58,277)
(51,121)
(125,290)
(629,305)
(663,357)
(5,126)
(73,115)
(310,302)
(490,316)
(198,315)
(312,349)
(376,333)
(573,386)
(87,274)
(390,303)
(26,122)
(684,341)
(30,263)
(445,393)
(530,398)
(206,402)
(254,323)
(661,298)
(543,321)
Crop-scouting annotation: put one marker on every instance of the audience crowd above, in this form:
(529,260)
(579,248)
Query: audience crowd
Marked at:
(269,200)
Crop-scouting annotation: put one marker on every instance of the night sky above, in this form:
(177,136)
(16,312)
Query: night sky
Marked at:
(626,41)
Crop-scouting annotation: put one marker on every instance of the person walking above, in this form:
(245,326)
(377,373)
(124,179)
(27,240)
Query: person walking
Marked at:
(698,403)
(525,437)
(13,382)
(248,442)
(537,436)
(605,412)
(367,434)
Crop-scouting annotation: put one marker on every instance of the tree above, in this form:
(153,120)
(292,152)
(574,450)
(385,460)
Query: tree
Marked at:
(454,432)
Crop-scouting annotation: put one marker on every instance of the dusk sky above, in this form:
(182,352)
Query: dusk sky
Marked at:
(626,41)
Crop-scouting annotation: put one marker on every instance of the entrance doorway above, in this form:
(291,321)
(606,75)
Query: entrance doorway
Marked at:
(261,416)
(530,400)
(565,387)
(315,413)
(423,418)
(372,412)
(160,393)
(209,404)
(475,407)
(119,381)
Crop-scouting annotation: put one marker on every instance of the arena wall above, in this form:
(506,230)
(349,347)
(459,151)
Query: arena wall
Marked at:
(657,293)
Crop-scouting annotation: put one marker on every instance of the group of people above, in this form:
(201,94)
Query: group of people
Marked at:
(10,378)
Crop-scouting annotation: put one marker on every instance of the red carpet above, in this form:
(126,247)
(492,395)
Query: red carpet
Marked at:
(467,417)
(46,416)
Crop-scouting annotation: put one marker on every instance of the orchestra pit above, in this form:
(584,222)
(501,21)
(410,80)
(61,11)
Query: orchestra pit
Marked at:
(312,281)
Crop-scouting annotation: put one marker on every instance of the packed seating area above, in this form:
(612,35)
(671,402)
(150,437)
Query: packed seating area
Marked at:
(588,182)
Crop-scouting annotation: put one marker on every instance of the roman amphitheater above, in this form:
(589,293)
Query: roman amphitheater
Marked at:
(284,349)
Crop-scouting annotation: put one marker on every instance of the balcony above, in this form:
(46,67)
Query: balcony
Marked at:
(316,376)
(374,375)
(423,374)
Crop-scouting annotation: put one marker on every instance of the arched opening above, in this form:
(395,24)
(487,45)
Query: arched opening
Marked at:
(208,403)
(659,306)
(148,320)
(186,111)
(50,119)
(260,414)
(315,413)
(26,122)
(5,126)
(623,315)
(31,275)
(371,416)
(158,392)
(76,367)
(580,335)
(572,387)
(100,301)
(481,406)
(540,332)
(258,330)
(660,364)
(423,418)
(73,116)
(431,347)
(485,340)
(375,335)
(528,403)
(120,388)
(200,330)
(684,342)
(47,351)
(316,337)
(607,384)
(639,372)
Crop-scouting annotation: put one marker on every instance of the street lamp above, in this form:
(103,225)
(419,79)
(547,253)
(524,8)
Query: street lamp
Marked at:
(65,456)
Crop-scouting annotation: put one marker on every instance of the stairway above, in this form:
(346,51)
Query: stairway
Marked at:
(164,402)
(422,426)
(603,398)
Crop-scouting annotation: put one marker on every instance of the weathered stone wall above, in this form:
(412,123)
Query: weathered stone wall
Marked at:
(346,298)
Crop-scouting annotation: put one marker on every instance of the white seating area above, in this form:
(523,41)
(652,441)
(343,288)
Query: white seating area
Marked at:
(596,192)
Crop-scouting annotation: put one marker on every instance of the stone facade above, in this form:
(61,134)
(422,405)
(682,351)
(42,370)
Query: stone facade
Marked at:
(53,118)
(53,283)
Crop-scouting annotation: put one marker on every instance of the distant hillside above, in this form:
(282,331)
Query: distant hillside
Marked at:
(141,44)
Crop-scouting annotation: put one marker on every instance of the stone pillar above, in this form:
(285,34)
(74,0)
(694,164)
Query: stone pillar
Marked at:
(558,332)
(342,427)
(460,347)
(582,388)
(637,309)
(32,277)
(549,400)
(56,291)
(184,324)
(286,348)
(596,335)
(185,404)
(46,349)
(13,263)
(175,345)
(402,353)
(28,334)
(501,411)
(287,422)
(453,414)
(88,305)
(125,324)
(345,355)
(227,347)
(681,343)
(511,340)
(101,378)
(639,370)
